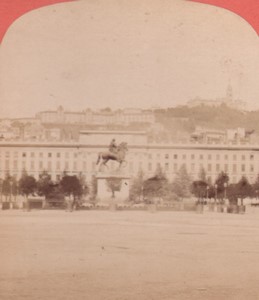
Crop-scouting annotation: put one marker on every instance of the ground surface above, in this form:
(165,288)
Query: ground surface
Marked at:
(104,255)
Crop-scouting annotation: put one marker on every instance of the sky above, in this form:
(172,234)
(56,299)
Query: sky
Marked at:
(120,54)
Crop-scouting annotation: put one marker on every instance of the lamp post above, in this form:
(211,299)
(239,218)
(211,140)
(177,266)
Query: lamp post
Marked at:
(216,192)
(225,190)
(207,192)
(1,189)
(11,190)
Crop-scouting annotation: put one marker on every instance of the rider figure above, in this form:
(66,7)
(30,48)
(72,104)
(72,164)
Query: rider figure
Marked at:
(113,147)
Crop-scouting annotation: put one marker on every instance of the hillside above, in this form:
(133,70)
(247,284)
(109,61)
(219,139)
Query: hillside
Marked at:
(221,117)
(182,120)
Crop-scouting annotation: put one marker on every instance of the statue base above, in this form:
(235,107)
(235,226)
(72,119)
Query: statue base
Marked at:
(112,188)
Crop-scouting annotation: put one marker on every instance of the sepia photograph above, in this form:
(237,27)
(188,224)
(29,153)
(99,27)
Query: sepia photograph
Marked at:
(129,149)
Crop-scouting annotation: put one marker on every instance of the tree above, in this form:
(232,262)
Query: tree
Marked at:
(55,195)
(156,186)
(44,184)
(9,186)
(14,187)
(255,187)
(182,183)
(93,190)
(243,189)
(83,183)
(71,186)
(1,188)
(221,182)
(199,189)
(137,186)
(6,187)
(27,185)
(232,193)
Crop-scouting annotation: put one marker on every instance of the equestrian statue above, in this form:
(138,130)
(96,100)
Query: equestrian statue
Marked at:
(117,153)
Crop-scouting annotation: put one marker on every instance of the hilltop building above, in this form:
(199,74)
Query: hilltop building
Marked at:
(228,100)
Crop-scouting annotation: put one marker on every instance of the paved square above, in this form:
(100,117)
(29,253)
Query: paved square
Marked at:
(104,255)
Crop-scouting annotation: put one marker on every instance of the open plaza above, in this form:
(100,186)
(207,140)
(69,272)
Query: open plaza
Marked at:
(126,255)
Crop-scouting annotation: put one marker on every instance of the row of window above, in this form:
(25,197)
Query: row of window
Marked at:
(218,168)
(150,155)
(7,154)
(84,166)
(203,156)
(32,165)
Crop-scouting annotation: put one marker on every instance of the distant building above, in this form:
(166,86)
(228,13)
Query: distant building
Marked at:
(210,136)
(103,117)
(228,100)
(91,137)
(61,125)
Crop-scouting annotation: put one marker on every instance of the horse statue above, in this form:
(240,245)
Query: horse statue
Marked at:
(119,156)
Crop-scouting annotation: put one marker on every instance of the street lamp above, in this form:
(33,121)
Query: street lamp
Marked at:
(216,192)
(1,189)
(207,192)
(142,193)
(11,190)
(225,190)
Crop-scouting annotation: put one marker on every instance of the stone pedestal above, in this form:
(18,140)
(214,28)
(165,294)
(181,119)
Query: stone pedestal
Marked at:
(112,188)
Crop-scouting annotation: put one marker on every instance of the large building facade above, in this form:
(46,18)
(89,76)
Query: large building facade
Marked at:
(102,117)
(80,158)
